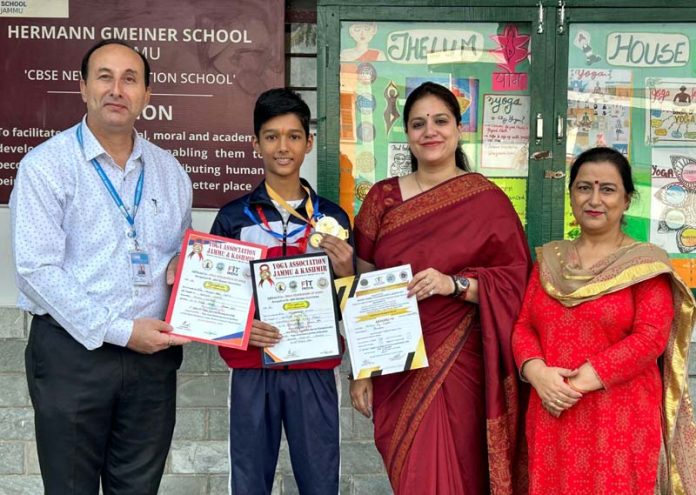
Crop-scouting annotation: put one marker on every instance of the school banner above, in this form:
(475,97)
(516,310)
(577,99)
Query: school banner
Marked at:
(210,60)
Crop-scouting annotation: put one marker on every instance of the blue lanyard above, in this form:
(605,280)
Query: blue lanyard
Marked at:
(112,191)
(268,230)
(278,235)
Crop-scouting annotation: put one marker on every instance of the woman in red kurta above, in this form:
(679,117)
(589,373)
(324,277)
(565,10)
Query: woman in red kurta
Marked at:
(597,315)
(450,428)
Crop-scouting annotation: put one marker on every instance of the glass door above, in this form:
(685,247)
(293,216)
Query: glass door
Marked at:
(631,85)
(491,61)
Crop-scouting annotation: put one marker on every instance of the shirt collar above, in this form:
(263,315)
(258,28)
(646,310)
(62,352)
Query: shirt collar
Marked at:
(93,149)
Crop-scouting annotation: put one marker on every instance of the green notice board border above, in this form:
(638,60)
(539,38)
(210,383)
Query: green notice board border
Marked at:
(548,78)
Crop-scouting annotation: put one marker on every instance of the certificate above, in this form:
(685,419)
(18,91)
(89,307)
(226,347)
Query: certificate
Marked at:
(382,324)
(212,299)
(296,295)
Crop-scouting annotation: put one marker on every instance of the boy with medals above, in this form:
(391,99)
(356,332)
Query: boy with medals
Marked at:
(286,215)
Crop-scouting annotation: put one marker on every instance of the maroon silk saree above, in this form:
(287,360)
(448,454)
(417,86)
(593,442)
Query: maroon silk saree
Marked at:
(453,427)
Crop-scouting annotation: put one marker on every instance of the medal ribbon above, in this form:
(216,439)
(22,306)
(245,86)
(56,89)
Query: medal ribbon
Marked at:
(312,213)
(311,208)
(267,227)
(302,243)
(112,191)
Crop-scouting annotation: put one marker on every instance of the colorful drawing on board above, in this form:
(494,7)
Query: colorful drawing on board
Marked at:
(466,91)
(362,33)
(582,41)
(399,160)
(599,109)
(361,190)
(673,202)
(366,73)
(391,112)
(366,132)
(686,268)
(513,48)
(365,162)
(671,115)
(365,103)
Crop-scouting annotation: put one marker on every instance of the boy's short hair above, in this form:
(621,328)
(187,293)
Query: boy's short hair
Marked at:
(280,101)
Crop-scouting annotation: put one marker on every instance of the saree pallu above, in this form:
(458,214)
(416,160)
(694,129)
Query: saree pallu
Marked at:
(454,426)
(628,266)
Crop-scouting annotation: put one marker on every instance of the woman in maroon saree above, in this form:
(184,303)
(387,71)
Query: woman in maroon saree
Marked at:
(451,428)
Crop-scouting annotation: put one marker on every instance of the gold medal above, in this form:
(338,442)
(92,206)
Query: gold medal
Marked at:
(329,225)
(315,239)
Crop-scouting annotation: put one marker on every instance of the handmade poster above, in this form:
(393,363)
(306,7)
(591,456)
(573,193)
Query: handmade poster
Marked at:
(381,63)
(296,295)
(505,134)
(212,297)
(399,160)
(643,73)
(671,115)
(599,109)
(382,325)
(673,199)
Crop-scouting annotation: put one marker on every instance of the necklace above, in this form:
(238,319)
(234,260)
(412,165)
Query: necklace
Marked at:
(415,176)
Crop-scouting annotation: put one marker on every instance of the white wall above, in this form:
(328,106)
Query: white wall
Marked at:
(8,290)
(202,220)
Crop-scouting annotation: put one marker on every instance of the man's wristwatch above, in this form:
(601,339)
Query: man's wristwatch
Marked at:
(461,285)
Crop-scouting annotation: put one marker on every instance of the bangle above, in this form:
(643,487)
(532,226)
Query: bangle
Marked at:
(576,389)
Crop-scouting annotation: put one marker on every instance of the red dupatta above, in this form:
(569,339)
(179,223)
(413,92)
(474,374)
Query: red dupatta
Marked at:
(465,225)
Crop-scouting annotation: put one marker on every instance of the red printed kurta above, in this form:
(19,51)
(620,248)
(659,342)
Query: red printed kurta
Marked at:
(609,442)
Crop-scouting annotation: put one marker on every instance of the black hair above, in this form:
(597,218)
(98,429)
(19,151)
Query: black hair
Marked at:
(113,41)
(280,101)
(603,154)
(430,88)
